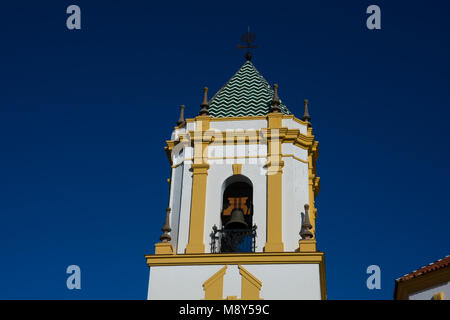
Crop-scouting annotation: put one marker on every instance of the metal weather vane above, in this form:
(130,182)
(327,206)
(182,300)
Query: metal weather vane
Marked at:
(248,38)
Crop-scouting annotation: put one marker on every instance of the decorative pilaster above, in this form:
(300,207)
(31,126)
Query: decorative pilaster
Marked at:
(274,167)
(198,202)
(200,168)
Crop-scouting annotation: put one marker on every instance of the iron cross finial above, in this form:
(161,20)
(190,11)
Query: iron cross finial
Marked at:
(248,38)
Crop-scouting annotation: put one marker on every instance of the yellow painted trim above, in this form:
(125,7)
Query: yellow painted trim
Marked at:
(237,168)
(235,258)
(238,137)
(250,285)
(439,296)
(245,157)
(179,164)
(294,157)
(274,225)
(198,204)
(199,180)
(170,145)
(245,137)
(307,245)
(222,158)
(299,121)
(237,157)
(274,213)
(213,287)
(164,248)
(287,116)
(403,289)
(191,120)
(323,280)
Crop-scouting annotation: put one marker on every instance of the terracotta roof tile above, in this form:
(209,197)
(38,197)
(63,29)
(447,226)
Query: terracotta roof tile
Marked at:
(441,263)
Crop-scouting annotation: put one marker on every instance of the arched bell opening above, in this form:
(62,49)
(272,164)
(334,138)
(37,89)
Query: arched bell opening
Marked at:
(237,232)
(237,204)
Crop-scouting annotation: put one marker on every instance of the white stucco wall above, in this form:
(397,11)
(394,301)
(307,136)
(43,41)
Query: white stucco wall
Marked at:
(295,194)
(428,293)
(185,208)
(175,202)
(291,124)
(279,281)
(240,124)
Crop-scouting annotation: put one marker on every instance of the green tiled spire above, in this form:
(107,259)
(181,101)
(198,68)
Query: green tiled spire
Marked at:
(247,93)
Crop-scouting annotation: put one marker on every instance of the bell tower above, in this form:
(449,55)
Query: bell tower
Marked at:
(241,221)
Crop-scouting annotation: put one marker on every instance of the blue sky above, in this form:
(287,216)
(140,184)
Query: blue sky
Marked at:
(84,115)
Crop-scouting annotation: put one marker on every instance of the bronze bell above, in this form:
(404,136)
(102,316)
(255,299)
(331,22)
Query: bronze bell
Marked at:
(237,220)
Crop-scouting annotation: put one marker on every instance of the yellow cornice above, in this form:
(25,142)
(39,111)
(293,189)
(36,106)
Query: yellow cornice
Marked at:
(293,136)
(190,120)
(168,154)
(250,136)
(249,277)
(294,157)
(239,118)
(289,116)
(200,168)
(170,144)
(235,258)
(316,185)
(248,157)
